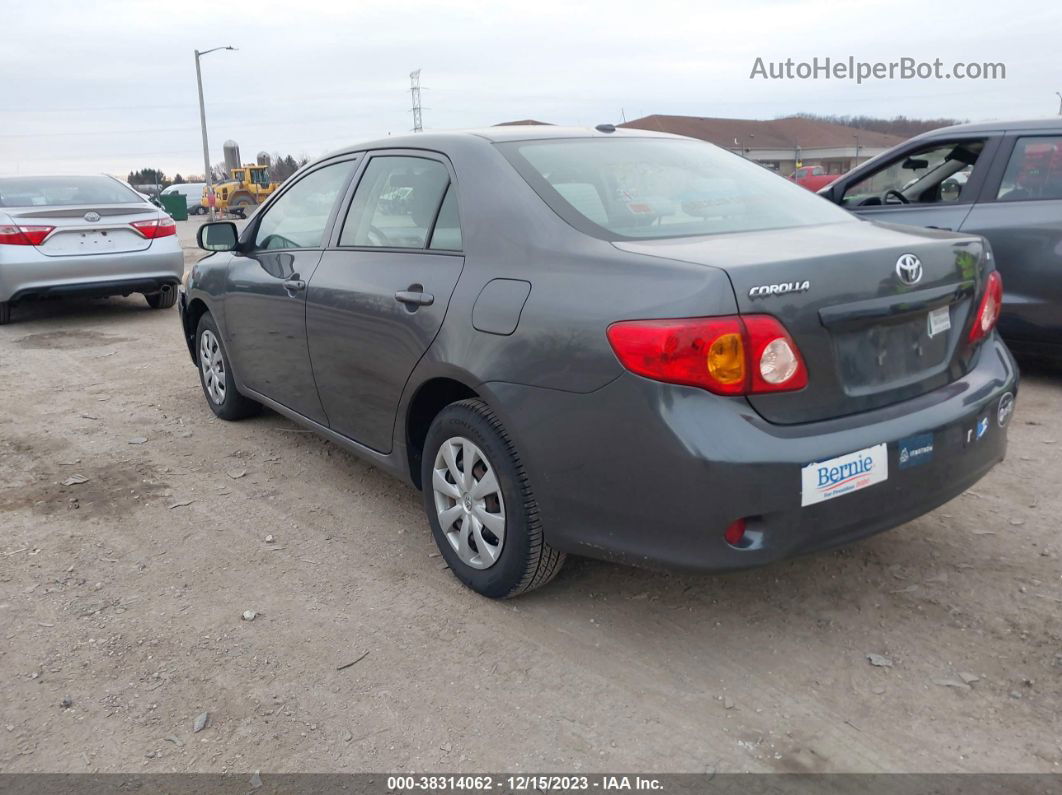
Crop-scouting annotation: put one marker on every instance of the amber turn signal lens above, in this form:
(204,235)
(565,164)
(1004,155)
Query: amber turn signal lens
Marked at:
(726,359)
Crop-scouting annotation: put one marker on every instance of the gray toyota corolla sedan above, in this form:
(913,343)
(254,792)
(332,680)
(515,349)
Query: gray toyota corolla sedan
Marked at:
(84,236)
(619,344)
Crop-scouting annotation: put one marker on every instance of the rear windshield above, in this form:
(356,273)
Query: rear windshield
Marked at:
(637,188)
(63,191)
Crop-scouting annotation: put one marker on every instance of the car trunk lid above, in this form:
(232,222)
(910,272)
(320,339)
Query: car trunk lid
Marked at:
(869,337)
(88,229)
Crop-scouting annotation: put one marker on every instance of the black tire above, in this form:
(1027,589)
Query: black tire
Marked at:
(242,206)
(233,405)
(526,561)
(5,313)
(163,299)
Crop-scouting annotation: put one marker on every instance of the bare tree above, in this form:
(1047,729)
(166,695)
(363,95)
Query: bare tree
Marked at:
(900,125)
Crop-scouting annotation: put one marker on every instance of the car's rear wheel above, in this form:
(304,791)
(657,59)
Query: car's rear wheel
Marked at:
(163,299)
(5,313)
(479,502)
(216,376)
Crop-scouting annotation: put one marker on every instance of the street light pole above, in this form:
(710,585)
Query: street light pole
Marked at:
(202,121)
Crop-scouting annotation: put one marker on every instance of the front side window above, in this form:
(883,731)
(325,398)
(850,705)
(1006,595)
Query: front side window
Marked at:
(632,188)
(396,203)
(64,191)
(937,174)
(1034,170)
(298,218)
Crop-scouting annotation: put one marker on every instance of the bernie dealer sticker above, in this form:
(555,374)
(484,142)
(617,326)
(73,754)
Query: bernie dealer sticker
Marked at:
(844,474)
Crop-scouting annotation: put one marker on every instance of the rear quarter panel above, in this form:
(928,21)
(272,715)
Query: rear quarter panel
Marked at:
(579,285)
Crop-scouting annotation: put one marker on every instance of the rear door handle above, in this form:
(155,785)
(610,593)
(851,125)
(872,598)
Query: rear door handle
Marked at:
(414,298)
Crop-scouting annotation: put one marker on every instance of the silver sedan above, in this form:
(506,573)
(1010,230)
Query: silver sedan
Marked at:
(84,236)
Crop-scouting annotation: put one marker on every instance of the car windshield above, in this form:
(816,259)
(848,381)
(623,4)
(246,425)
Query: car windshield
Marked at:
(63,191)
(656,188)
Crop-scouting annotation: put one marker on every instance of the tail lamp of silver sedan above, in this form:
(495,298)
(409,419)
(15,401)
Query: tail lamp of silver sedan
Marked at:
(613,343)
(83,236)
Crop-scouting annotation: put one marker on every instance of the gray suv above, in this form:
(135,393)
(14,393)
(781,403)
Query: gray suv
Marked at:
(614,343)
(1002,180)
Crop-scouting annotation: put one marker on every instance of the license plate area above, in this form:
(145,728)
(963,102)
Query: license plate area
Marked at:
(73,242)
(890,354)
(86,240)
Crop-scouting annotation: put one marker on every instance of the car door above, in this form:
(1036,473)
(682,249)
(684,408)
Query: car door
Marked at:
(1020,212)
(265,304)
(378,297)
(928,183)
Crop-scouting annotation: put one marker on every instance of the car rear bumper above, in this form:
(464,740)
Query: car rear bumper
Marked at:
(652,474)
(34,275)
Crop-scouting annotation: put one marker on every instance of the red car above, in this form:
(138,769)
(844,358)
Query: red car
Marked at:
(814,178)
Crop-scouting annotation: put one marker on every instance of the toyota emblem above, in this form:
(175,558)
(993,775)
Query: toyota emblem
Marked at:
(909,269)
(92,216)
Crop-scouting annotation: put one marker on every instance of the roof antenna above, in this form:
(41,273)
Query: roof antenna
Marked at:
(606,128)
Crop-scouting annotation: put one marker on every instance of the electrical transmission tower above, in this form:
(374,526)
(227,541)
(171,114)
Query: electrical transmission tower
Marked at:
(414,90)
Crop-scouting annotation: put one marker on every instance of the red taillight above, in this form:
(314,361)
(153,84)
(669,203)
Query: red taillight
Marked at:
(156,227)
(988,311)
(731,355)
(735,531)
(24,235)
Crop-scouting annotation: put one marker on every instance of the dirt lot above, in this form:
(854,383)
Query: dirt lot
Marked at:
(121,601)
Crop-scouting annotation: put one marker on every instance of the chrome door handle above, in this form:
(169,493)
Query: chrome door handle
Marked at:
(294,285)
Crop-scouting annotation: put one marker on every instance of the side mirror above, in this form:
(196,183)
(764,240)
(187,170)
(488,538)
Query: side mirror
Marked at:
(219,236)
(830,192)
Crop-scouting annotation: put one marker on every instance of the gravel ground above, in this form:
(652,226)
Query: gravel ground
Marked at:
(122,601)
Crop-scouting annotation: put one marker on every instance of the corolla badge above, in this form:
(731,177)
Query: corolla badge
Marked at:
(779,289)
(92,216)
(909,269)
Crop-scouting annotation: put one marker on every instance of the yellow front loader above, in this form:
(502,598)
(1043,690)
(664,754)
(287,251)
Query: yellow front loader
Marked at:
(250,186)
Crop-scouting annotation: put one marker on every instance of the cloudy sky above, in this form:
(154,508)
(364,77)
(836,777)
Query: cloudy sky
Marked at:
(109,85)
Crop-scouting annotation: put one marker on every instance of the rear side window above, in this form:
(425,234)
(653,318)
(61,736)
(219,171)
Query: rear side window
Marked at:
(396,203)
(298,218)
(64,191)
(635,188)
(1034,170)
(447,234)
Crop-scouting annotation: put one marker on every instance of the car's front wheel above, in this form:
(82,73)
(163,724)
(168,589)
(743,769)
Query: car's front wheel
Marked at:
(216,376)
(479,502)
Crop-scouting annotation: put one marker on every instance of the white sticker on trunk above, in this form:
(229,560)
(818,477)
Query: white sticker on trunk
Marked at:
(939,320)
(825,480)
